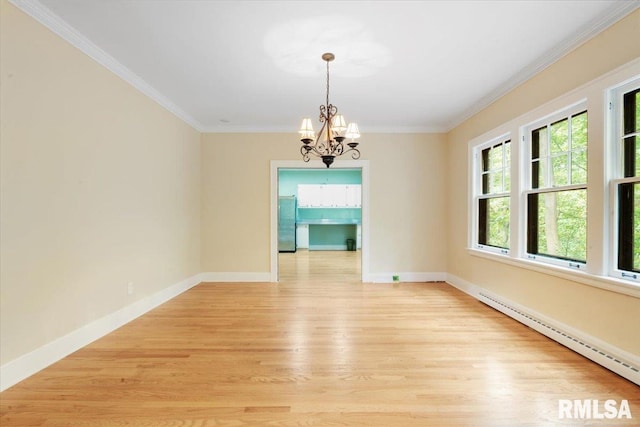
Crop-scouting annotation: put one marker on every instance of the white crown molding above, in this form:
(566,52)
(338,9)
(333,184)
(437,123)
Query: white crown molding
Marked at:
(50,20)
(404,129)
(588,32)
(292,129)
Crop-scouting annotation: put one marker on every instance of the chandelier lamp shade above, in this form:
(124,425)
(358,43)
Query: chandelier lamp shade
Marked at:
(329,142)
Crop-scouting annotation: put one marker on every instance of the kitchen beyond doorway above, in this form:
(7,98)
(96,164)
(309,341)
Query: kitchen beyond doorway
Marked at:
(323,252)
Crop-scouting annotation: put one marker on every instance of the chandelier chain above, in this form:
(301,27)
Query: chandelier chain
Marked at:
(327,84)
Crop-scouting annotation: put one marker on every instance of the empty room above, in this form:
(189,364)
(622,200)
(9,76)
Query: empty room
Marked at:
(319,213)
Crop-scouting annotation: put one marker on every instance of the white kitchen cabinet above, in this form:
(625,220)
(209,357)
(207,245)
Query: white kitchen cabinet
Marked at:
(307,195)
(353,196)
(336,196)
(325,196)
(329,196)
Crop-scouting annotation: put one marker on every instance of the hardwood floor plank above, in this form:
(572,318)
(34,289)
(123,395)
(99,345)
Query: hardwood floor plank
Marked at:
(317,352)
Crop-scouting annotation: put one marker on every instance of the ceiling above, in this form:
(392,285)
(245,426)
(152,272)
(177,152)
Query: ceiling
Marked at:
(255,66)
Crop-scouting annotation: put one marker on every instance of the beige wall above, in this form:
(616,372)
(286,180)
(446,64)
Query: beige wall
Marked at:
(406,192)
(606,315)
(100,186)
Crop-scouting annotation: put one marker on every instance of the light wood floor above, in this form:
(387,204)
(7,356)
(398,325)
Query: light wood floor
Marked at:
(316,353)
(320,266)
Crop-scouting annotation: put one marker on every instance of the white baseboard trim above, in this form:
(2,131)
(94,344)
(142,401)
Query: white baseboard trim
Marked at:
(24,366)
(611,357)
(463,285)
(235,277)
(327,247)
(407,277)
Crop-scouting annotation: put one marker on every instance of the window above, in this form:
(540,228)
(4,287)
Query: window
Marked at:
(528,195)
(556,219)
(626,183)
(493,166)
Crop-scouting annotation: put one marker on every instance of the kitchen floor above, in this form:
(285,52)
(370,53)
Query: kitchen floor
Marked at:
(341,266)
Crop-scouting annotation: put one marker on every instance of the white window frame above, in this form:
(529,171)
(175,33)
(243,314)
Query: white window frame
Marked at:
(615,174)
(476,184)
(525,180)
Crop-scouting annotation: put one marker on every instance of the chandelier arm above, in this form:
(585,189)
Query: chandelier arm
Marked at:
(324,148)
(305,153)
(356,153)
(311,150)
(324,114)
(308,150)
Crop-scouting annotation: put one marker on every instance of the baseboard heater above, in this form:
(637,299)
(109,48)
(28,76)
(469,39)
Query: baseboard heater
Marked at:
(596,353)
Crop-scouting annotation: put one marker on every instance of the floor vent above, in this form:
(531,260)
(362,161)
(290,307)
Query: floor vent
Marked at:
(590,351)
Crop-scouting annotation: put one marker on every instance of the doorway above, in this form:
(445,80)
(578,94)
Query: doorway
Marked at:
(324,258)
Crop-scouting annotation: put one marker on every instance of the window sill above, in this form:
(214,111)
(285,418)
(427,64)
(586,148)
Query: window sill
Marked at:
(603,282)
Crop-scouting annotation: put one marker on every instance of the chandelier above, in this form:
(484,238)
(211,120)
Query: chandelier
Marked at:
(328,142)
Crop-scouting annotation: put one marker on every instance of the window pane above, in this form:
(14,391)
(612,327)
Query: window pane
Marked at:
(636,226)
(485,159)
(496,157)
(629,226)
(631,112)
(637,156)
(579,132)
(630,156)
(542,175)
(485,183)
(507,164)
(579,167)
(507,181)
(494,222)
(507,154)
(630,143)
(559,137)
(562,224)
(539,143)
(637,110)
(559,168)
(496,182)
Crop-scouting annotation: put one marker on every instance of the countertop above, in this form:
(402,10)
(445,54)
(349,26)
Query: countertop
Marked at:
(329,221)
